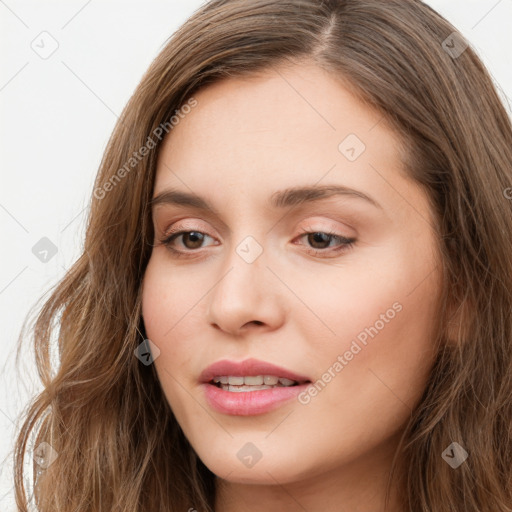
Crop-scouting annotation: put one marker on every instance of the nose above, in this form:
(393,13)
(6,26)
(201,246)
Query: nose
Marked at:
(247,296)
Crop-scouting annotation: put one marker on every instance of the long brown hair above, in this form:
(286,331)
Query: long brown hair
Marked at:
(117,443)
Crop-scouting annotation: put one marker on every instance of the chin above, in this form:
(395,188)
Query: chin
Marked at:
(269,472)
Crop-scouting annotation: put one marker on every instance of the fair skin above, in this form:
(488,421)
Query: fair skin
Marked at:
(245,140)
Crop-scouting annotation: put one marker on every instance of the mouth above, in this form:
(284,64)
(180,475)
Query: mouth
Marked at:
(250,387)
(249,399)
(250,372)
(237,384)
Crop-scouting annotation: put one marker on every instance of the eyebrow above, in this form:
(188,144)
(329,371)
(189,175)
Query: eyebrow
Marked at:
(280,199)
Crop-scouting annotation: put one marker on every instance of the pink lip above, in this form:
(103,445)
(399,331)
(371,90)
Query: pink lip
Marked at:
(248,403)
(249,367)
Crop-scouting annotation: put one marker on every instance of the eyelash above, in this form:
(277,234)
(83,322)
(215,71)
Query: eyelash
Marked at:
(346,243)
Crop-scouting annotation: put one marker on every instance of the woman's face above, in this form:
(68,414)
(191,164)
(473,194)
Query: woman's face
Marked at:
(354,318)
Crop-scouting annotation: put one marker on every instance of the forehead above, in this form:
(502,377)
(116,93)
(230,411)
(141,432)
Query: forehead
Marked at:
(285,126)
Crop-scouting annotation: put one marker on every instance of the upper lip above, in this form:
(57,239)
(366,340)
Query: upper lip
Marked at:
(249,367)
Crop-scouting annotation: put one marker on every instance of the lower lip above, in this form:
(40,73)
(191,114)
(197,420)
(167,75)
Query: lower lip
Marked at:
(248,403)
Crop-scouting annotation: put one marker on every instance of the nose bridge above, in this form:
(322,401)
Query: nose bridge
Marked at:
(244,271)
(243,293)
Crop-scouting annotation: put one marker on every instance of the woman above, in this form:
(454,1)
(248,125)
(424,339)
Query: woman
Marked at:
(211,352)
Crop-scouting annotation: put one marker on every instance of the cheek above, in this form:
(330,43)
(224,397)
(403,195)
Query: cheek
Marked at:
(167,297)
(379,352)
(371,301)
(161,313)
(170,309)
(370,378)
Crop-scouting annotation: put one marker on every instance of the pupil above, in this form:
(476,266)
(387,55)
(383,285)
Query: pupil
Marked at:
(315,237)
(192,235)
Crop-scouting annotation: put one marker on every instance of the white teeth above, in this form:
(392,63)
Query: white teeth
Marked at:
(236,381)
(253,381)
(242,389)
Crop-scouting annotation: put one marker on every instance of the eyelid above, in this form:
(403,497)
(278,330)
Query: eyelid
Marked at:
(349,217)
(183,225)
(327,224)
(177,226)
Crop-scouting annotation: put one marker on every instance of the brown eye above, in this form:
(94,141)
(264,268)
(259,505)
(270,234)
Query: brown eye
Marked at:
(319,242)
(191,240)
(318,239)
(194,237)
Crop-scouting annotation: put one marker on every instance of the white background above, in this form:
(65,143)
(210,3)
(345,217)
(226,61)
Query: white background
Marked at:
(56,117)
